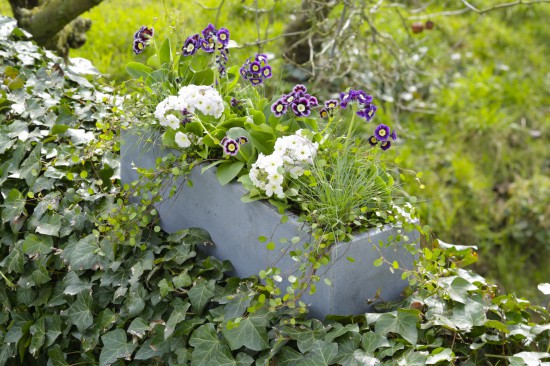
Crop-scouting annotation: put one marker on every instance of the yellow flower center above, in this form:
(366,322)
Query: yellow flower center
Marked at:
(279,108)
(382,132)
(301,107)
(223,36)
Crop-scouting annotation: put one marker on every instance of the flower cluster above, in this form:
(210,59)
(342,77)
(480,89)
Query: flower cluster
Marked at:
(142,38)
(298,100)
(256,71)
(290,156)
(330,105)
(211,38)
(382,134)
(368,109)
(178,109)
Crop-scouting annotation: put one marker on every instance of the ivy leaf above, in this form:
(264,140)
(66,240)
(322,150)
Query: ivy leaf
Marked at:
(37,244)
(466,316)
(14,209)
(403,323)
(372,341)
(38,332)
(155,346)
(177,316)
(138,327)
(289,357)
(201,293)
(250,333)
(56,357)
(49,224)
(115,346)
(322,353)
(208,349)
(30,168)
(80,311)
(363,359)
(74,284)
(440,354)
(53,328)
(82,254)
(15,261)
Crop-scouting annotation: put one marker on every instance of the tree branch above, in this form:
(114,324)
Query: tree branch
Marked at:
(52,16)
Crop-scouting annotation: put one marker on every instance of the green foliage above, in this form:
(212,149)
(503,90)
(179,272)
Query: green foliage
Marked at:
(86,279)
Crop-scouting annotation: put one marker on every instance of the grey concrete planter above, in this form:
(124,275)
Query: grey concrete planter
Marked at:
(235,227)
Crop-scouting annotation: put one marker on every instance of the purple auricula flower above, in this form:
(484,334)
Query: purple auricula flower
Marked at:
(223,37)
(230,146)
(331,103)
(345,98)
(368,112)
(323,113)
(256,80)
(382,132)
(288,98)
(385,145)
(266,72)
(373,140)
(191,45)
(362,97)
(255,67)
(278,108)
(242,140)
(138,46)
(313,102)
(299,88)
(261,57)
(144,34)
(186,116)
(207,44)
(301,107)
(209,31)
(393,135)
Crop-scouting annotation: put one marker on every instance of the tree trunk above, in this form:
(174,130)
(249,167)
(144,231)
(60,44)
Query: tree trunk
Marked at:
(54,24)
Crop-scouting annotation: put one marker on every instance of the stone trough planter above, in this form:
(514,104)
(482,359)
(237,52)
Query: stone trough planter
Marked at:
(235,227)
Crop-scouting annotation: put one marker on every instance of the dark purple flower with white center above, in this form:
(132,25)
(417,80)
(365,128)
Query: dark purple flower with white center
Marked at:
(256,80)
(209,31)
(262,58)
(299,88)
(373,140)
(207,44)
(242,140)
(138,46)
(191,45)
(223,36)
(222,142)
(368,112)
(287,98)
(301,107)
(230,147)
(144,34)
(362,97)
(345,98)
(323,113)
(313,102)
(331,103)
(266,72)
(278,108)
(382,132)
(394,135)
(385,145)
(255,67)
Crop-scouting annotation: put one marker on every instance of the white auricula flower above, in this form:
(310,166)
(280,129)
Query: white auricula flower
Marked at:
(182,140)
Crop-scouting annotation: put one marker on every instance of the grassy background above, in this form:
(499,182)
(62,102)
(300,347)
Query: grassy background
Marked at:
(484,149)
